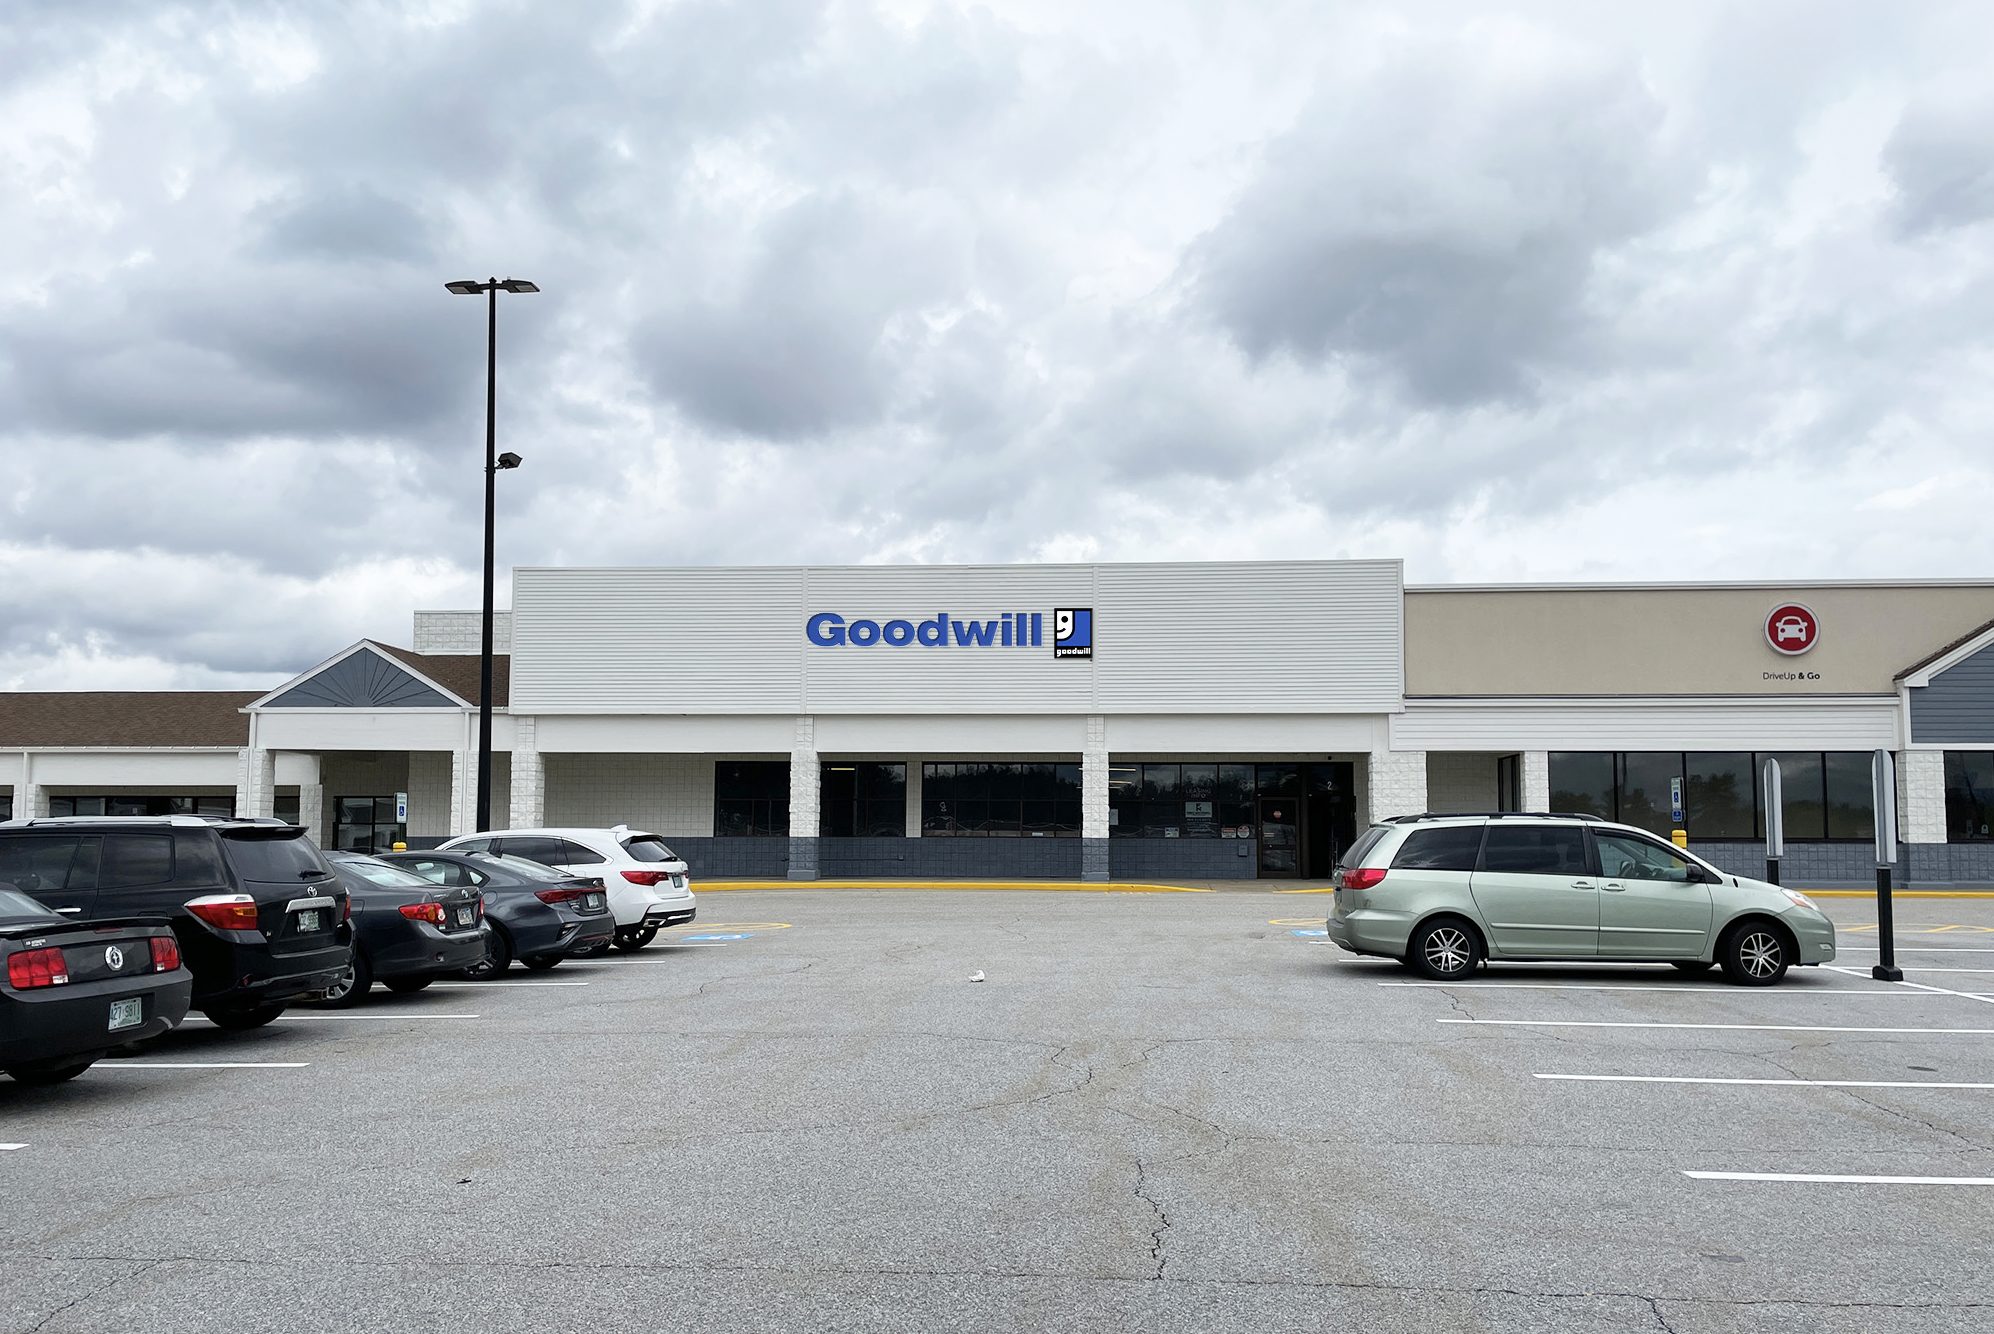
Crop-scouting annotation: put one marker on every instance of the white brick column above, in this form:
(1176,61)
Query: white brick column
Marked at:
(1535,770)
(913,798)
(463,792)
(806,799)
(255,783)
(30,797)
(1921,796)
(1094,854)
(1398,783)
(311,800)
(528,808)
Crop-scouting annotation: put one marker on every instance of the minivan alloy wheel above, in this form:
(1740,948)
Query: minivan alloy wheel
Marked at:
(1448,950)
(1760,953)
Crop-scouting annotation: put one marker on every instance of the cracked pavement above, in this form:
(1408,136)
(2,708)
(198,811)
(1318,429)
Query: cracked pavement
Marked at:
(1157,1113)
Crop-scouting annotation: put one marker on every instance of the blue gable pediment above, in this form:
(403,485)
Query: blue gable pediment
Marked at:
(1957,707)
(366,679)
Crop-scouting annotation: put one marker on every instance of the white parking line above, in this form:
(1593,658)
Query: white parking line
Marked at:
(200,1065)
(1842,1180)
(347,1018)
(1679,990)
(452,986)
(9,1148)
(1747,1028)
(1783,1083)
(1920,986)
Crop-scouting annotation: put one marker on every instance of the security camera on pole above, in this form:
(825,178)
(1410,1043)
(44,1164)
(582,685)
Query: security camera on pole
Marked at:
(1883,781)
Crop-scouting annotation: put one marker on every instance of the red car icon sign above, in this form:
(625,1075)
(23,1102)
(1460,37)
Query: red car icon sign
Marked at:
(1791,627)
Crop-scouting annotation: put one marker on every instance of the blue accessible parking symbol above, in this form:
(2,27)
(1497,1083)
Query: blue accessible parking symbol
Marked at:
(1317,932)
(719,935)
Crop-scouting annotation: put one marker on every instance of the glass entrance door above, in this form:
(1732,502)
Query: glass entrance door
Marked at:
(1280,838)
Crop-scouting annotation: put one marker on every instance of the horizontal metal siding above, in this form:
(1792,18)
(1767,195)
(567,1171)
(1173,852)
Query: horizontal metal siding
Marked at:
(1958,706)
(1304,637)
(1688,725)
(1206,638)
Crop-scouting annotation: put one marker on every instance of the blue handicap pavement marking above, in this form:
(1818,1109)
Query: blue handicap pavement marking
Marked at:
(725,935)
(1317,932)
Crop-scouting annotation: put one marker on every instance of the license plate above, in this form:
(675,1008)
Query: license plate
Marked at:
(127,1013)
(308,919)
(464,917)
(678,882)
(591,901)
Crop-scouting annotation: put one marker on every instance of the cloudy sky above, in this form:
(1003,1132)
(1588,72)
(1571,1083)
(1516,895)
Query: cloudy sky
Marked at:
(1553,290)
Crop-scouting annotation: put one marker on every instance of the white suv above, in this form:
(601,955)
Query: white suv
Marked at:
(647,883)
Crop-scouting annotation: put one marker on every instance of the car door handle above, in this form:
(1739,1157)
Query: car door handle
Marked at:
(1581,884)
(1613,887)
(74,912)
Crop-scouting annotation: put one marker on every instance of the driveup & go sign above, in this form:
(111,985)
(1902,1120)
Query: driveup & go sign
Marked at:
(1072,631)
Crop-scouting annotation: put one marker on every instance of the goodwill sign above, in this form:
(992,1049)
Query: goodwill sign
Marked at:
(1072,631)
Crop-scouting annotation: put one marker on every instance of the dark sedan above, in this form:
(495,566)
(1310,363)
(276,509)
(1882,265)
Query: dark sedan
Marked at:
(537,914)
(407,931)
(75,990)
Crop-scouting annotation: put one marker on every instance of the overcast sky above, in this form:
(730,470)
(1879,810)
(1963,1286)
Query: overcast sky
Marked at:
(1564,291)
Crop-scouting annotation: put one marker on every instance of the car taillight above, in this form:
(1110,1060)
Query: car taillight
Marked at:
(228,912)
(1359,877)
(646,877)
(424,912)
(37,968)
(345,908)
(558,895)
(165,954)
(479,902)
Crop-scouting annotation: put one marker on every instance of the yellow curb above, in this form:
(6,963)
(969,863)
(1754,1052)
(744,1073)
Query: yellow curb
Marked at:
(1069,886)
(1325,890)
(1902,893)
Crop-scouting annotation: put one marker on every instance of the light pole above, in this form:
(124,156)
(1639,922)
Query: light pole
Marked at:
(494,462)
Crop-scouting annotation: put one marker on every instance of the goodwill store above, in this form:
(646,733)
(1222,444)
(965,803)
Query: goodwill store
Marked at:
(1218,720)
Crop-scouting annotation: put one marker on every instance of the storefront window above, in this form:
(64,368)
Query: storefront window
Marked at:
(751,798)
(366,824)
(223,806)
(1001,799)
(1969,796)
(1718,794)
(863,800)
(1582,783)
(1826,796)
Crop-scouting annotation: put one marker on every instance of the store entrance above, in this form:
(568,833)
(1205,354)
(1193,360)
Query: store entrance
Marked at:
(1303,833)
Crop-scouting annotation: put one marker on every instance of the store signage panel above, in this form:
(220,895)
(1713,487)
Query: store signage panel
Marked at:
(1072,631)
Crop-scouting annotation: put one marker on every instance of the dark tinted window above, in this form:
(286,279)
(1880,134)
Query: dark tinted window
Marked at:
(1851,795)
(197,858)
(574,854)
(43,864)
(1445,849)
(132,860)
(1535,850)
(1354,854)
(472,845)
(1969,796)
(259,856)
(648,848)
(533,849)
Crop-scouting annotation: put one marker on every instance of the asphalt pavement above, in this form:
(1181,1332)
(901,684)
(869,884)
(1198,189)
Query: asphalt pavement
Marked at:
(1156,1112)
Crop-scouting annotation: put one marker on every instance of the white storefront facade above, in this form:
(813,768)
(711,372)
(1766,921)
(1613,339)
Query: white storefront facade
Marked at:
(1130,722)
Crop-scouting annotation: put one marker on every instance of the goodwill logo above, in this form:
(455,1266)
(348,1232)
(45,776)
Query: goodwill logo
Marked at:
(1072,631)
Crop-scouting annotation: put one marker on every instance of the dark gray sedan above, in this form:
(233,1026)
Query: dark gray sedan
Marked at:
(536,914)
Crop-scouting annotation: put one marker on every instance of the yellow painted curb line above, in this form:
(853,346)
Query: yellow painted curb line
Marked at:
(1902,893)
(1068,886)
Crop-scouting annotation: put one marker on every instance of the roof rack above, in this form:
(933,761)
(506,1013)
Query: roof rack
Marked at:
(1495,815)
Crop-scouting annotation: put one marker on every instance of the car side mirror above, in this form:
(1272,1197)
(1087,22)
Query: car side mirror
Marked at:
(1699,876)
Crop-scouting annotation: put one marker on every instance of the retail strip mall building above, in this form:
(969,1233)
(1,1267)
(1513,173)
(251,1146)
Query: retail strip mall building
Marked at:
(1087,721)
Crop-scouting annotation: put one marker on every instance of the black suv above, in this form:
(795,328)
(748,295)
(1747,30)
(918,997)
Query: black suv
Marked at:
(262,920)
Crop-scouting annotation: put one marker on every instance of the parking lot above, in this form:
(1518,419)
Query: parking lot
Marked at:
(1166,1111)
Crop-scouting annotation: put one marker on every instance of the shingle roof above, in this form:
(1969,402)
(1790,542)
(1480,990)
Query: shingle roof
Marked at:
(124,718)
(1933,657)
(457,672)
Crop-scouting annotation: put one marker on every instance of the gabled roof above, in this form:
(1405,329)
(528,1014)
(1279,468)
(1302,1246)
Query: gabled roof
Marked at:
(1951,655)
(124,718)
(375,675)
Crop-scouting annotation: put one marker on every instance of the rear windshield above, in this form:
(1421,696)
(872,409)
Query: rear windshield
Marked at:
(525,869)
(17,909)
(380,873)
(279,855)
(1354,854)
(648,848)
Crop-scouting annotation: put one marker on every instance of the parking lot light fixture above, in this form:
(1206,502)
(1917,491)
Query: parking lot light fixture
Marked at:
(494,464)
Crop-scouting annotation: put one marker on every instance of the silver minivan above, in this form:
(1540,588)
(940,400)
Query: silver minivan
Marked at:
(1443,893)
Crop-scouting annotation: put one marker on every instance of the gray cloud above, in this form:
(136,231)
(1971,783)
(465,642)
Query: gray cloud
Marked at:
(1941,160)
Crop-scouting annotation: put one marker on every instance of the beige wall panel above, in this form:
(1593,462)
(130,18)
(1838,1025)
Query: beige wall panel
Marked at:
(1680,641)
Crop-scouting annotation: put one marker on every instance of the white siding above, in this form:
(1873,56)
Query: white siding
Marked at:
(1652,724)
(1206,638)
(1460,782)
(670,795)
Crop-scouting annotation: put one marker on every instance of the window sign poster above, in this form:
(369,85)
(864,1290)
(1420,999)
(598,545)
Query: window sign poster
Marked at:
(1114,817)
(1199,820)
